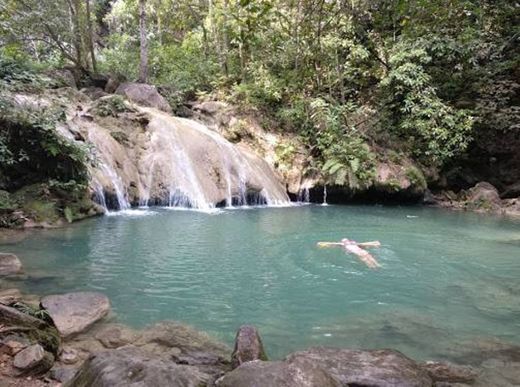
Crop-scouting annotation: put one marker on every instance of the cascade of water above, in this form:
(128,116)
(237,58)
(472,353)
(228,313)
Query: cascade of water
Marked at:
(117,183)
(324,196)
(99,195)
(231,157)
(185,189)
(304,195)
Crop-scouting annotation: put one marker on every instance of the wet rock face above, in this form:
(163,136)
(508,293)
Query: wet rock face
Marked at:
(9,264)
(73,313)
(248,346)
(129,366)
(33,360)
(144,95)
(277,373)
(381,368)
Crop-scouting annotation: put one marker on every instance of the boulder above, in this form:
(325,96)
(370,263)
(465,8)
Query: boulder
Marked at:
(116,335)
(9,264)
(33,360)
(248,346)
(36,331)
(376,368)
(69,355)
(483,196)
(63,374)
(144,95)
(451,373)
(10,296)
(277,373)
(73,313)
(129,366)
(14,343)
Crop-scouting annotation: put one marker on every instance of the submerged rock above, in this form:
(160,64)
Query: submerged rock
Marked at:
(248,346)
(144,95)
(378,368)
(9,264)
(73,313)
(276,374)
(33,360)
(130,366)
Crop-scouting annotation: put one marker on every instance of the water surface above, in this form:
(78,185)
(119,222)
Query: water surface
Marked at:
(448,280)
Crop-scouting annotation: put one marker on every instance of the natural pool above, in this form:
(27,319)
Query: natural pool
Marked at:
(448,280)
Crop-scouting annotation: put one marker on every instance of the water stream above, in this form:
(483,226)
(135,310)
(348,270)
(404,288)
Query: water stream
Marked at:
(448,282)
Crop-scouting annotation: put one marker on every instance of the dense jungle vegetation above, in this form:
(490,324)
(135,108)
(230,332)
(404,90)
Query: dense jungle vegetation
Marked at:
(433,80)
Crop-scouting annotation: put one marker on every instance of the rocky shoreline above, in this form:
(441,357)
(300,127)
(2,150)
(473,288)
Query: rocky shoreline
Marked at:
(70,340)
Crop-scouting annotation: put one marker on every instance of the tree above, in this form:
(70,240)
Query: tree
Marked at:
(90,38)
(143,62)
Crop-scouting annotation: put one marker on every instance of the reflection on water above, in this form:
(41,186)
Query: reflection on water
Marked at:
(448,280)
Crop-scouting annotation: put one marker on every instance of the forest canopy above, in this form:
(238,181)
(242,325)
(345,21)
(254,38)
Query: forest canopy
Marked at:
(348,76)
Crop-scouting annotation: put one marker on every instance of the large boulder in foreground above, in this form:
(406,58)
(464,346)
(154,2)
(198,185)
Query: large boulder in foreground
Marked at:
(277,373)
(376,368)
(129,366)
(9,264)
(144,95)
(248,346)
(22,327)
(73,313)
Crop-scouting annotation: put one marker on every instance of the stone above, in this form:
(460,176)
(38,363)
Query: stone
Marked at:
(277,373)
(144,95)
(452,373)
(483,196)
(63,374)
(171,334)
(31,328)
(12,344)
(9,264)
(33,360)
(69,356)
(115,336)
(248,346)
(129,366)
(376,368)
(74,313)
(10,296)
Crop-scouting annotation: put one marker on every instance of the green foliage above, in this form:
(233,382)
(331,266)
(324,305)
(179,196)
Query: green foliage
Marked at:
(344,156)
(31,150)
(416,177)
(41,314)
(110,106)
(434,130)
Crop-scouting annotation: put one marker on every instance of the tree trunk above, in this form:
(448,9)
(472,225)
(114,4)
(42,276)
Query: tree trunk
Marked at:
(91,39)
(74,8)
(143,64)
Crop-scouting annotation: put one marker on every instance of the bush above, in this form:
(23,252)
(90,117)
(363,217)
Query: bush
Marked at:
(31,150)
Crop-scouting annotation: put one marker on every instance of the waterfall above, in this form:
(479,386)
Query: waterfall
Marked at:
(324,196)
(304,195)
(178,162)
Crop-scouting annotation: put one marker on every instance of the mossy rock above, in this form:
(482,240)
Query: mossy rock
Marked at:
(21,321)
(416,178)
(6,202)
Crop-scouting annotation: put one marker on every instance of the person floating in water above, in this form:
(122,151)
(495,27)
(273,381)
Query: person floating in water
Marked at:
(354,247)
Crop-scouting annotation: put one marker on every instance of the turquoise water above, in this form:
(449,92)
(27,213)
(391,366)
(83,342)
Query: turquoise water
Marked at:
(448,280)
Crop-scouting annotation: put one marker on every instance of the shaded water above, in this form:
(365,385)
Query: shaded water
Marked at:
(448,280)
